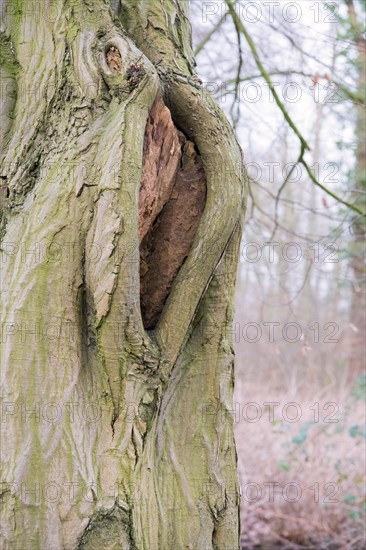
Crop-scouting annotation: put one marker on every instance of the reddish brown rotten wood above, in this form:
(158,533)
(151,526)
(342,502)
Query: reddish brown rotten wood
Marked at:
(171,202)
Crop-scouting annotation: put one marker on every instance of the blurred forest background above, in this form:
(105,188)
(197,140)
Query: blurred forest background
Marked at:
(291,76)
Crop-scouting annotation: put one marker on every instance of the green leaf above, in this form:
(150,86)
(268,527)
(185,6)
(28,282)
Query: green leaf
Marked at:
(302,435)
(283,465)
(354,514)
(359,390)
(357,430)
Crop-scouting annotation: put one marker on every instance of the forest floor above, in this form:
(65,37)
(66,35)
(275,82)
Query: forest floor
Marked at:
(302,460)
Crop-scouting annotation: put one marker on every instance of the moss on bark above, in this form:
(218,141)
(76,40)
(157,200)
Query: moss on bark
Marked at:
(111,436)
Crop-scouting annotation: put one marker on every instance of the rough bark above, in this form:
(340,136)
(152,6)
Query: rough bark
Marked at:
(112,435)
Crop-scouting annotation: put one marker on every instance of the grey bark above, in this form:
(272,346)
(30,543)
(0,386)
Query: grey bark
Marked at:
(111,436)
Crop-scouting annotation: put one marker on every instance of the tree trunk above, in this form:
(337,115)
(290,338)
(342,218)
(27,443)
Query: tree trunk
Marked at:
(358,227)
(115,418)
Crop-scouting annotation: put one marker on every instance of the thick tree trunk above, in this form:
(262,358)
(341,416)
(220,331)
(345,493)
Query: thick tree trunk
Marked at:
(116,429)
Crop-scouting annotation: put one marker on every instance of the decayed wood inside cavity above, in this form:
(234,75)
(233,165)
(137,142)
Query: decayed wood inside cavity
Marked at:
(114,59)
(171,202)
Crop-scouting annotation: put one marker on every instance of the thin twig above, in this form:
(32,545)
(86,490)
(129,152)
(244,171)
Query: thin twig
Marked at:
(208,36)
(304,145)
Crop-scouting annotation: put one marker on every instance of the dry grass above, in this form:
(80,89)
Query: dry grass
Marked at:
(323,460)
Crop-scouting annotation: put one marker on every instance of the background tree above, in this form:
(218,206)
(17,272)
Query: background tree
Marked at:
(353,29)
(313,280)
(116,431)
